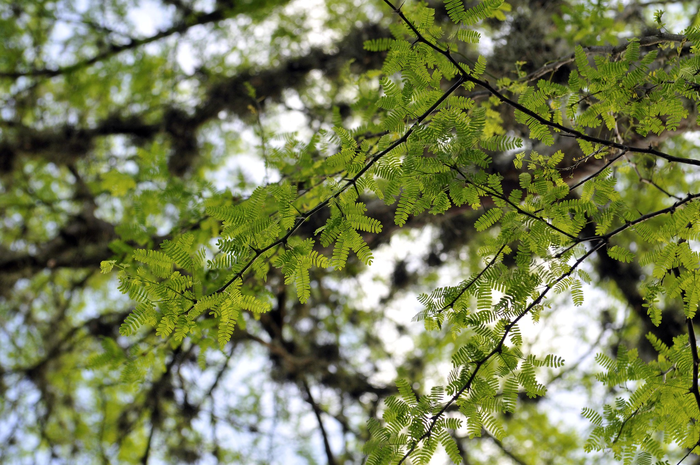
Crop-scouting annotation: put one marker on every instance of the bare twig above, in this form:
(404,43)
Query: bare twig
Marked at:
(510,454)
(317,412)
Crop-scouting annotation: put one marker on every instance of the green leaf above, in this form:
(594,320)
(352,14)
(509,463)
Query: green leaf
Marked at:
(107,265)
(620,254)
(488,219)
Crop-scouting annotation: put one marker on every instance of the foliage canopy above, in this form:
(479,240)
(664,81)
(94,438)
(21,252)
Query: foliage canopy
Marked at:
(547,147)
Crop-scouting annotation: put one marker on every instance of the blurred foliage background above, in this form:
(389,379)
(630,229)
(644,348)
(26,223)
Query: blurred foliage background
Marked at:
(119,118)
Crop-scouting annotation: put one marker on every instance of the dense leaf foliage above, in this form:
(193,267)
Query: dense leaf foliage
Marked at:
(586,158)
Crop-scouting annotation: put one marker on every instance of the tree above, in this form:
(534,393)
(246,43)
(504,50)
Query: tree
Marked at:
(184,265)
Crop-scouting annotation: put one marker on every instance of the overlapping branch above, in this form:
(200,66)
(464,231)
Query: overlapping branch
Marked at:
(349,183)
(478,364)
(645,41)
(517,106)
(183,26)
(599,240)
(68,143)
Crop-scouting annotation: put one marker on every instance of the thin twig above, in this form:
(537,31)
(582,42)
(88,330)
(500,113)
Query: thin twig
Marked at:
(504,449)
(612,160)
(476,278)
(515,206)
(646,41)
(560,127)
(619,432)
(496,350)
(317,412)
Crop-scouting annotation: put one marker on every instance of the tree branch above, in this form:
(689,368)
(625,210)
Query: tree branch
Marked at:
(68,143)
(646,41)
(466,76)
(181,27)
(696,360)
(496,350)
(317,412)
(504,449)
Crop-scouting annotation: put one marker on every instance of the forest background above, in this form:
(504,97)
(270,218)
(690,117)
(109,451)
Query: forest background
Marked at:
(165,166)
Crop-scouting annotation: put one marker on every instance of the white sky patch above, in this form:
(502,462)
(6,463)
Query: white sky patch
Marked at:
(247,161)
(149,17)
(185,58)
(315,17)
(371,287)
(693,137)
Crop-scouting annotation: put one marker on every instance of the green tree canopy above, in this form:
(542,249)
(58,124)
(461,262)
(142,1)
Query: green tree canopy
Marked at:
(280,231)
